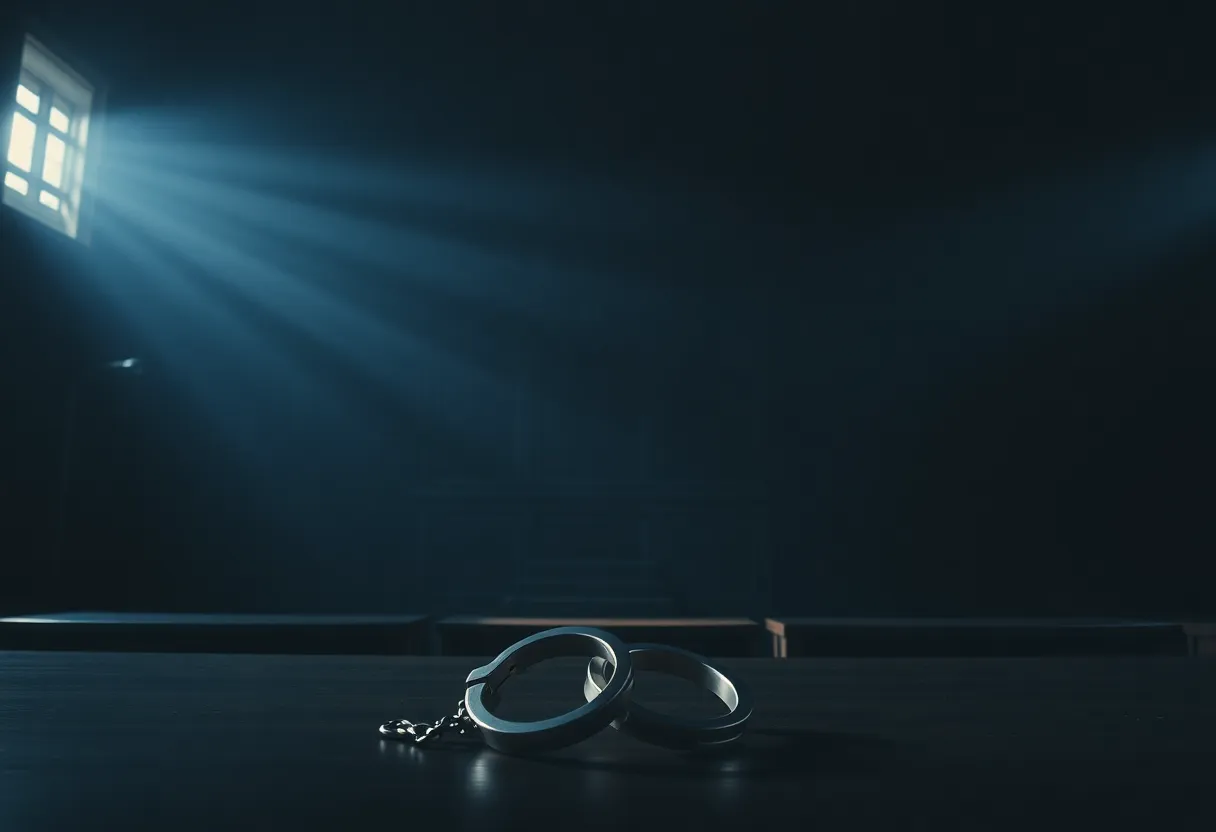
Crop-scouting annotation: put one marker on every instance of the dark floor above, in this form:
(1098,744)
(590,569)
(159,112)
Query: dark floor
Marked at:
(161,741)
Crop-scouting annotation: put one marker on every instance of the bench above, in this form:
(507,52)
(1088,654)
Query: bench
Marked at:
(795,637)
(470,635)
(1201,639)
(216,633)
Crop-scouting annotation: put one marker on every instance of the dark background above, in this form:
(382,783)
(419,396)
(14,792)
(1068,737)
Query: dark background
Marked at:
(880,308)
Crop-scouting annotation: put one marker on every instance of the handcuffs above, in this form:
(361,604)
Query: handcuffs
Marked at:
(608,689)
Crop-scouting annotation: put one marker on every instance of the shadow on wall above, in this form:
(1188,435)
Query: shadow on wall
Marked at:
(425,409)
(1062,478)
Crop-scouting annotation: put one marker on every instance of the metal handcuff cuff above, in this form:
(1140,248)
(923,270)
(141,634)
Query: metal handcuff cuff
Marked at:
(608,689)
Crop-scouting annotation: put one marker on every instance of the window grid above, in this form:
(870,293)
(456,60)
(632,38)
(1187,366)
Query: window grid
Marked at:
(42,129)
(64,104)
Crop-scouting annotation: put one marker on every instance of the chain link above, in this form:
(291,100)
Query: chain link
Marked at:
(420,732)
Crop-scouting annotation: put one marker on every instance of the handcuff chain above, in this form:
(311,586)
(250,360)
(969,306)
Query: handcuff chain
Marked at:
(420,732)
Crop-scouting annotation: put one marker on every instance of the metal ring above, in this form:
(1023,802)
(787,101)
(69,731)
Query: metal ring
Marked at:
(674,731)
(484,685)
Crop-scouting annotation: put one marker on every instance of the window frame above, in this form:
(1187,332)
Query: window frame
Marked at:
(57,86)
(42,130)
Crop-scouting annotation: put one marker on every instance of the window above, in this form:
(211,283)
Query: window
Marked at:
(45,133)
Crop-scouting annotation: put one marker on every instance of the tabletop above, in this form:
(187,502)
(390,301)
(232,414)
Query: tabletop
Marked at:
(204,741)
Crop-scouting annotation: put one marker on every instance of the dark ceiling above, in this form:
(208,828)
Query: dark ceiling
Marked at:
(760,95)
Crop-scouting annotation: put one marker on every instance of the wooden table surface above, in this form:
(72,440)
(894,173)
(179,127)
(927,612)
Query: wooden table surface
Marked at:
(108,741)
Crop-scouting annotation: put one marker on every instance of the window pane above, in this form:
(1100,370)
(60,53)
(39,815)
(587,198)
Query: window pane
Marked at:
(16,183)
(27,98)
(52,165)
(49,200)
(21,142)
(59,119)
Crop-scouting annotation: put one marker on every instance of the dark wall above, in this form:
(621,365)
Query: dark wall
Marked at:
(872,311)
(36,348)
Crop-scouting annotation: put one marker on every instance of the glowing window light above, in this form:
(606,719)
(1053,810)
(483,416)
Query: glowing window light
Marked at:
(52,163)
(21,142)
(28,99)
(60,120)
(51,117)
(15,182)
